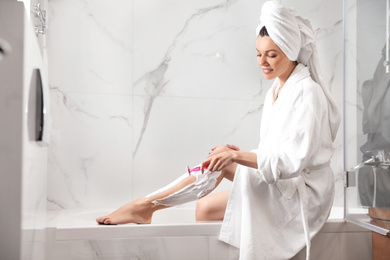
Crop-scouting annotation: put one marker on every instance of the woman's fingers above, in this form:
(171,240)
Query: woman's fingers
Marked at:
(209,164)
(205,164)
(223,148)
(219,158)
(213,164)
(217,162)
(233,147)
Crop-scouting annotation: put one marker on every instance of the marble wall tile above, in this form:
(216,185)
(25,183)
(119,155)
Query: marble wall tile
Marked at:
(90,47)
(206,50)
(182,132)
(190,74)
(90,160)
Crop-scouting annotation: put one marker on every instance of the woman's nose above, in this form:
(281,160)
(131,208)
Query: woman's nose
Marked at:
(262,61)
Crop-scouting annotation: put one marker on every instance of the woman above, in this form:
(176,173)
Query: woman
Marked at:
(282,192)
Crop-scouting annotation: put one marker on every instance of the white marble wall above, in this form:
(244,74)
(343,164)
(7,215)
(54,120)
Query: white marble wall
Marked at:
(141,89)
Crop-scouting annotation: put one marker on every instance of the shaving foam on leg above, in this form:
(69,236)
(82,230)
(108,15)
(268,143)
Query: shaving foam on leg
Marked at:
(202,186)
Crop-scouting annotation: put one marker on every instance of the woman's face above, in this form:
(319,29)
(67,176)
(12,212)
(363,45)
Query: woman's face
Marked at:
(272,59)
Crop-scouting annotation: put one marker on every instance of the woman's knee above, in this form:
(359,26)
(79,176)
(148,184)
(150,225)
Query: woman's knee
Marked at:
(203,209)
(212,207)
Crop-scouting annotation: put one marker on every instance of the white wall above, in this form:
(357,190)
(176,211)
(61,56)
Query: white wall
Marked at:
(141,89)
(11,109)
(23,161)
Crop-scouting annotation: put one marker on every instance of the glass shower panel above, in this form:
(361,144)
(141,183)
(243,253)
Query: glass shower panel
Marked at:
(367,114)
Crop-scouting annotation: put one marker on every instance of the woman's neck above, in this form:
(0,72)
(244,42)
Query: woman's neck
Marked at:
(283,78)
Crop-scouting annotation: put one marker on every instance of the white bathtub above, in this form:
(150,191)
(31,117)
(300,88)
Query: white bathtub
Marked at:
(171,222)
(174,234)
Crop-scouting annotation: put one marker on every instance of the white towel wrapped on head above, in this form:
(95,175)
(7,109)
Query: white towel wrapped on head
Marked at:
(295,37)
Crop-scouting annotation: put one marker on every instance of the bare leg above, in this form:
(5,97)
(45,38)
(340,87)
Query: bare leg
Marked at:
(141,210)
(213,206)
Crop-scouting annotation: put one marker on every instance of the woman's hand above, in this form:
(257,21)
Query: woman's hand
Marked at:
(223,148)
(219,160)
(223,156)
(220,157)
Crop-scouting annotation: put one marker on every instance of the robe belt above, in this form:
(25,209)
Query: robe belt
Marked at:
(304,204)
(318,167)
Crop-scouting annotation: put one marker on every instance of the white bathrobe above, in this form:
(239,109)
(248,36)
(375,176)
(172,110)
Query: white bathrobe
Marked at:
(264,215)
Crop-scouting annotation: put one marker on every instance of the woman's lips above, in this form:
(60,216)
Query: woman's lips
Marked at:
(267,71)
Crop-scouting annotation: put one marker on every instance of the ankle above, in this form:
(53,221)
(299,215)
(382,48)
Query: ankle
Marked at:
(145,204)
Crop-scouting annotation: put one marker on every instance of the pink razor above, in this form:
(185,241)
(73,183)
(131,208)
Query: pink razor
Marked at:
(196,169)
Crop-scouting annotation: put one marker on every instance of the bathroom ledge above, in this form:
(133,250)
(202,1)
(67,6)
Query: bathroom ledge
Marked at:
(80,225)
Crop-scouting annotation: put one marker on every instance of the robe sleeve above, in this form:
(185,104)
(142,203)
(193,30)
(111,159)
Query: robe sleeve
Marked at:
(287,149)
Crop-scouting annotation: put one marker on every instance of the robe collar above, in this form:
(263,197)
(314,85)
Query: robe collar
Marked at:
(300,72)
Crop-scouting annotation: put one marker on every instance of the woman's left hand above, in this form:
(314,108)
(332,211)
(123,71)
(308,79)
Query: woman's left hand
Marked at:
(223,148)
(218,161)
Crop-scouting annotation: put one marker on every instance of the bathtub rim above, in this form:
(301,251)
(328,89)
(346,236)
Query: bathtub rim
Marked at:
(65,225)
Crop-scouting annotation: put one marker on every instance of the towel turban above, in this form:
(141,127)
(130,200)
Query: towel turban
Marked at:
(295,37)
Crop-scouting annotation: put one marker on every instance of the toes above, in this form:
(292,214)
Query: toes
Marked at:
(107,221)
(101,220)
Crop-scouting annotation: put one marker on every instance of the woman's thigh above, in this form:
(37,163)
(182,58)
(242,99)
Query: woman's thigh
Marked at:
(212,206)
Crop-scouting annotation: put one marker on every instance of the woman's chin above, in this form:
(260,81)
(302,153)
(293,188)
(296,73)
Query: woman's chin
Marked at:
(269,76)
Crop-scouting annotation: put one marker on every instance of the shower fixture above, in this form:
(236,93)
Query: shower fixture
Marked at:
(378,159)
(41,14)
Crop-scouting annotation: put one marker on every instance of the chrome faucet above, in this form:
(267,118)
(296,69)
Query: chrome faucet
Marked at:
(378,159)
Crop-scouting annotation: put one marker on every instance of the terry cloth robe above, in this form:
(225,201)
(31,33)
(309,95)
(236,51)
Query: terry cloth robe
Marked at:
(264,216)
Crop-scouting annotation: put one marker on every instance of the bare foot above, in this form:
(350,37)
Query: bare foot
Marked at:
(138,211)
